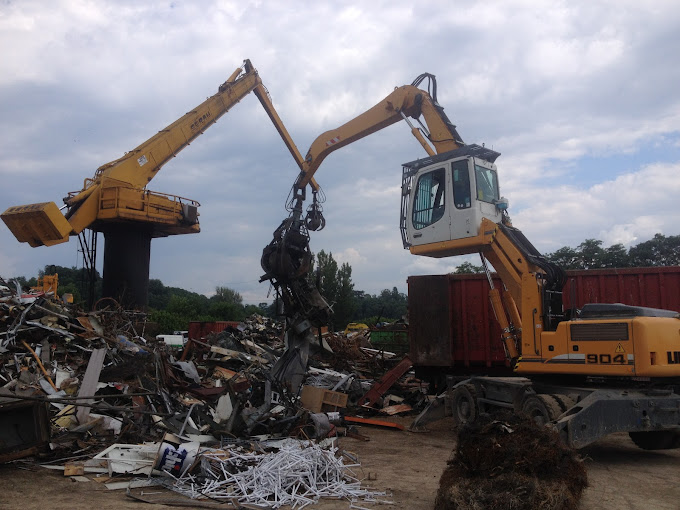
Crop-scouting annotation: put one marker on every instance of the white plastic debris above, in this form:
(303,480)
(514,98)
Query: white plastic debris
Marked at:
(298,474)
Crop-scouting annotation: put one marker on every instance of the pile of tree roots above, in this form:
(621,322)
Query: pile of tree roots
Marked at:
(511,464)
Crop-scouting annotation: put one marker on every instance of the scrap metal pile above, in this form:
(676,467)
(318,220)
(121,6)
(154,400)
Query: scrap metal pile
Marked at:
(76,384)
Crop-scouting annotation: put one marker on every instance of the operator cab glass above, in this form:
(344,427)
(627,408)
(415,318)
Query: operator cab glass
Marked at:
(445,197)
(461,184)
(487,184)
(429,203)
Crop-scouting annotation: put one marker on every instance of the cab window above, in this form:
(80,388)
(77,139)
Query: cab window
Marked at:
(487,184)
(428,205)
(461,184)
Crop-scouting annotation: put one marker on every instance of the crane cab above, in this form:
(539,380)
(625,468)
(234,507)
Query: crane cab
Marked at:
(446,196)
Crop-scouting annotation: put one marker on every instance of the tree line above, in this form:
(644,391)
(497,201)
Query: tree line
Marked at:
(661,250)
(350,305)
(173,307)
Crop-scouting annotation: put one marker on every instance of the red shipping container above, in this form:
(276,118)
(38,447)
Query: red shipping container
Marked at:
(199,330)
(451,322)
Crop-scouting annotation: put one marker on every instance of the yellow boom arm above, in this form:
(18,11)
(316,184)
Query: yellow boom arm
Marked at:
(403,103)
(117,192)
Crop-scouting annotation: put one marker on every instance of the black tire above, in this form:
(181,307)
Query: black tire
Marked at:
(542,409)
(563,401)
(464,404)
(656,439)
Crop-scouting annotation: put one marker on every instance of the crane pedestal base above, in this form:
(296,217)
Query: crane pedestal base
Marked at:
(126,266)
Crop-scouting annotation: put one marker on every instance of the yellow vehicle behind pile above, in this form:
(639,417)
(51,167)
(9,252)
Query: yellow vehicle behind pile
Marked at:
(353,327)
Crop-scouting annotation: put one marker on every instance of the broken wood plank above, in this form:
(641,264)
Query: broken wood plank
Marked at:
(74,468)
(237,354)
(90,380)
(396,409)
(371,421)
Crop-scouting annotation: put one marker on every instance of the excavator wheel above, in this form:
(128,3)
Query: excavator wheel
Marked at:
(464,404)
(563,401)
(541,408)
(656,439)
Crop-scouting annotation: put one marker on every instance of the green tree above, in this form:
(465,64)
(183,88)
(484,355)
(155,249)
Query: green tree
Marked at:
(658,251)
(389,305)
(327,275)
(226,311)
(590,254)
(468,268)
(344,303)
(227,295)
(335,285)
(168,321)
(616,255)
(565,257)
(159,295)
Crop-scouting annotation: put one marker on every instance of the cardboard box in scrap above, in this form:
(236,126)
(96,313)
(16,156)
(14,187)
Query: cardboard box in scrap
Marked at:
(320,399)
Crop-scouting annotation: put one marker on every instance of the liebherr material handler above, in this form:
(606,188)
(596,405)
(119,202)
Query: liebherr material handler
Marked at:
(115,200)
(609,368)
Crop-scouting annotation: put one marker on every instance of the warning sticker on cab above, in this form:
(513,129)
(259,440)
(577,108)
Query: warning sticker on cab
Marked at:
(619,348)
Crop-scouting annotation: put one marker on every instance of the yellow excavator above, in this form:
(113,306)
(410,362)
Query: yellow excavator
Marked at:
(602,369)
(115,200)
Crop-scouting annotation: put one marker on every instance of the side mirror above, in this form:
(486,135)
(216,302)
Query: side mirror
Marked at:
(502,204)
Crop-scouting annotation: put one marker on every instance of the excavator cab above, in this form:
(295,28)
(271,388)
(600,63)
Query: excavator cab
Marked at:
(446,196)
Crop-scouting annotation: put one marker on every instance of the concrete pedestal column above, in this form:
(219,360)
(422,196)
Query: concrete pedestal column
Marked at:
(126,266)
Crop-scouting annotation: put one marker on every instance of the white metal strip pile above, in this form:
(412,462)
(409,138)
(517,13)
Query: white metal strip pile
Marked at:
(298,474)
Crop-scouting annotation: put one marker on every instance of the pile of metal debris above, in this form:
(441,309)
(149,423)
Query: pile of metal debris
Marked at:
(95,386)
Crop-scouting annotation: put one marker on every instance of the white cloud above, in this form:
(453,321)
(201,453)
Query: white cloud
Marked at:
(351,256)
(628,209)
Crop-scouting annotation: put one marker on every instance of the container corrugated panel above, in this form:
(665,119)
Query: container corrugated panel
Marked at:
(655,287)
(451,321)
(198,330)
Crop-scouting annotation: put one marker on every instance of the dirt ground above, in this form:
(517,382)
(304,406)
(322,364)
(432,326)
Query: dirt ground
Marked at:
(621,476)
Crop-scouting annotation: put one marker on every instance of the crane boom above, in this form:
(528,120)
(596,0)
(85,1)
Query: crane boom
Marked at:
(115,200)
(605,368)
(117,191)
(403,103)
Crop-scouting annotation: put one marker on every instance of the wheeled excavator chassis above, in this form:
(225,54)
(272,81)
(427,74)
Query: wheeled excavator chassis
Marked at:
(581,414)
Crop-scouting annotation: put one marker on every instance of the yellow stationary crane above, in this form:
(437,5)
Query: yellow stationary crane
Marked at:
(115,200)
(607,368)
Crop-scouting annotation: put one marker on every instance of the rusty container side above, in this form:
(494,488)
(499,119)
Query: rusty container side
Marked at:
(429,304)
(473,322)
(200,329)
(655,287)
(451,322)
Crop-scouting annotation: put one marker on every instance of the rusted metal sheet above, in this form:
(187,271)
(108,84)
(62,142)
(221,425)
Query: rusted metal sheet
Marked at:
(451,322)
(198,330)
(429,321)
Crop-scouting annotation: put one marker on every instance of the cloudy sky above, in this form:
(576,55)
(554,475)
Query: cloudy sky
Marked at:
(580,97)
